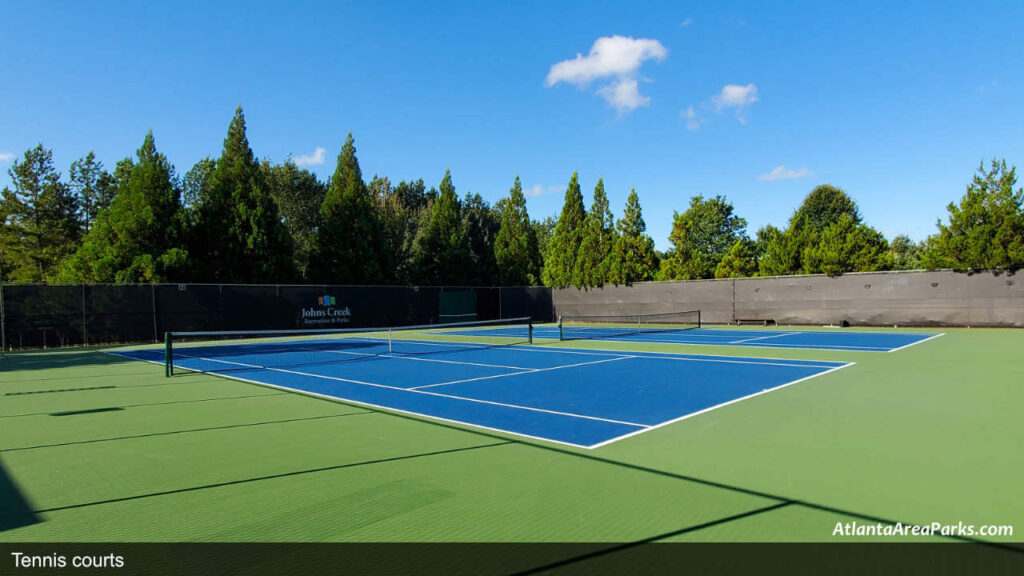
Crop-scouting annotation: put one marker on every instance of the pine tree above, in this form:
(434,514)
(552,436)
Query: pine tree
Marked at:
(740,261)
(40,219)
(846,246)
(443,252)
(986,230)
(563,250)
(515,247)
(634,259)
(139,237)
(349,241)
(594,260)
(238,234)
(93,186)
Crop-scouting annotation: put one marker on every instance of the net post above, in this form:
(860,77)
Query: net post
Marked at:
(168,356)
(529,331)
(390,350)
(698,318)
(561,337)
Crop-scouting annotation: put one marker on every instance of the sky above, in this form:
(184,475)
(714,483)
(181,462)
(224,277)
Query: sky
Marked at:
(896,103)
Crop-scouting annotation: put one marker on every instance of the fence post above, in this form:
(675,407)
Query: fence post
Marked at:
(152,293)
(3,321)
(85,326)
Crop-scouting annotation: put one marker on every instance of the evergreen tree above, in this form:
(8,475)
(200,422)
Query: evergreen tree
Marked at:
(444,256)
(779,251)
(825,205)
(93,186)
(298,195)
(349,243)
(40,219)
(701,237)
(846,246)
(986,231)
(633,257)
(481,223)
(139,237)
(740,261)
(560,268)
(515,247)
(238,234)
(594,260)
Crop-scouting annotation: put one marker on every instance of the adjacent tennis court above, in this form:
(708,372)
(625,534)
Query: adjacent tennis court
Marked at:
(582,398)
(830,339)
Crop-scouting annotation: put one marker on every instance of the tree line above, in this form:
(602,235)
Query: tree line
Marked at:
(235,219)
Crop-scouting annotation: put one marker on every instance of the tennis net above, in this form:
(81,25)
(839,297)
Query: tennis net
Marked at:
(582,327)
(227,351)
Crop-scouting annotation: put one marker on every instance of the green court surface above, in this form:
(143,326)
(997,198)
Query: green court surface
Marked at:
(95,447)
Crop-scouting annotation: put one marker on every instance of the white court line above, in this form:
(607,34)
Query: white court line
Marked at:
(643,428)
(717,406)
(654,355)
(918,342)
(399,357)
(764,337)
(525,371)
(415,391)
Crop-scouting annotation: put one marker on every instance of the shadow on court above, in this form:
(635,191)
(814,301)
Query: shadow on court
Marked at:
(15,511)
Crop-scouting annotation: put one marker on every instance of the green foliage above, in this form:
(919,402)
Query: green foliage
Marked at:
(544,230)
(349,243)
(482,224)
(701,237)
(633,257)
(779,251)
(93,186)
(825,205)
(443,252)
(516,250)
(560,268)
(986,230)
(846,246)
(905,253)
(740,261)
(298,195)
(139,237)
(238,235)
(595,258)
(40,219)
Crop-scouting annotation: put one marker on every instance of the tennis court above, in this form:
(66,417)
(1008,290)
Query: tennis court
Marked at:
(584,398)
(832,339)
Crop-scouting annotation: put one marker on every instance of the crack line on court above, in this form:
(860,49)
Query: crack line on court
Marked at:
(273,477)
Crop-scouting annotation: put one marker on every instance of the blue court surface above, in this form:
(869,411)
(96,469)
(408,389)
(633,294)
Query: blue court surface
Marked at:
(837,339)
(584,398)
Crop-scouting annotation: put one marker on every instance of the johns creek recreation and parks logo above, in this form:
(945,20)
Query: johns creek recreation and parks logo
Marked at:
(326,311)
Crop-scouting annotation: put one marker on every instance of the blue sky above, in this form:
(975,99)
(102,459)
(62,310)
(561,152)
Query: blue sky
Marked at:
(896,103)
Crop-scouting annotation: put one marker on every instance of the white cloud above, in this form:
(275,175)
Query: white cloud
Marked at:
(783,173)
(624,95)
(618,58)
(693,121)
(317,157)
(736,96)
(686,23)
(539,189)
(6,156)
